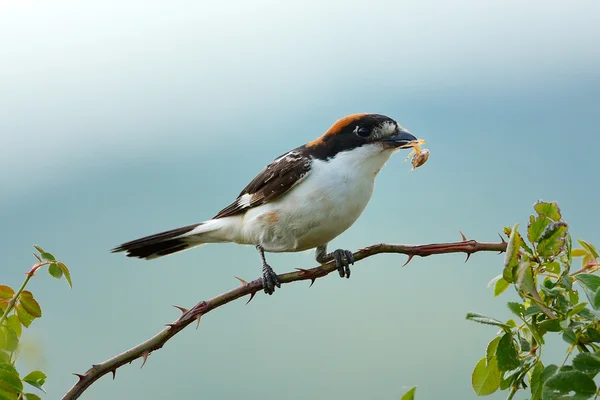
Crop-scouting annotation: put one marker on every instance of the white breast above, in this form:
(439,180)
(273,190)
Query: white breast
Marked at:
(321,207)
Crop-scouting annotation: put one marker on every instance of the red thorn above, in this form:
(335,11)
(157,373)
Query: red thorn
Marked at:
(312,281)
(114,373)
(81,377)
(468,255)
(410,257)
(145,357)
(464,238)
(251,297)
(244,283)
(198,321)
(182,309)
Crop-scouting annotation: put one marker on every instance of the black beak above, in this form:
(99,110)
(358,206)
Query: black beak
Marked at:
(400,138)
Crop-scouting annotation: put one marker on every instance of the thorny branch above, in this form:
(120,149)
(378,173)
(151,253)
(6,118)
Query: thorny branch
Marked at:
(144,349)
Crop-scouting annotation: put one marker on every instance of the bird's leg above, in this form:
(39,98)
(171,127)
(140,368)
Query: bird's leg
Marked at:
(343,259)
(269,277)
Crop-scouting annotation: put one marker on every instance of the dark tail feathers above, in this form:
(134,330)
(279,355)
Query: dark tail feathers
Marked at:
(158,245)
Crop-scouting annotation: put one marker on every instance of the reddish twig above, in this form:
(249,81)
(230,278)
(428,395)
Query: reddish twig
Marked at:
(143,350)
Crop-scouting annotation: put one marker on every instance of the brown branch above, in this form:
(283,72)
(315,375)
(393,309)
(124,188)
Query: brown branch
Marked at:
(144,349)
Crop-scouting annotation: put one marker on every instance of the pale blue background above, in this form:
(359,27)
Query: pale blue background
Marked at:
(119,119)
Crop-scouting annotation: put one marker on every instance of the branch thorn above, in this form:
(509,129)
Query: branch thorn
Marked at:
(114,373)
(468,255)
(251,297)
(81,377)
(182,309)
(244,283)
(312,281)
(410,257)
(502,238)
(464,238)
(145,355)
(198,321)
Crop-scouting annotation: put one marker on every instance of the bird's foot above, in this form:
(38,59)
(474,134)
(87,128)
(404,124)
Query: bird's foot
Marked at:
(343,259)
(269,279)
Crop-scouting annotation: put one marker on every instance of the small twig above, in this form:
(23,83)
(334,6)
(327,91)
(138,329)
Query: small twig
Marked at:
(143,350)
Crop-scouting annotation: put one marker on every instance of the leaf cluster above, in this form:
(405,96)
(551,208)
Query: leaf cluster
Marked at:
(538,267)
(18,310)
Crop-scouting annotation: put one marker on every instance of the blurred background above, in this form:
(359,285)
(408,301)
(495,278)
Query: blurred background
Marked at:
(119,119)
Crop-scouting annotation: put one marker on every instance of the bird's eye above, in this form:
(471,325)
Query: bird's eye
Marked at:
(362,131)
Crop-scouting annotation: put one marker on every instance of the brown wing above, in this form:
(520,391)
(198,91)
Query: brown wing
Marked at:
(272,182)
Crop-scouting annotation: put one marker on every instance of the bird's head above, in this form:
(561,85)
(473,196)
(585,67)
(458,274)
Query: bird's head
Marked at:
(358,130)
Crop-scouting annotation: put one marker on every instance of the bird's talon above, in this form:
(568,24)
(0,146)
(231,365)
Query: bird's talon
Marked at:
(270,280)
(343,259)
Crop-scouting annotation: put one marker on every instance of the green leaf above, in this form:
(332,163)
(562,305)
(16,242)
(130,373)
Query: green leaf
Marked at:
(482,319)
(55,271)
(507,353)
(569,336)
(39,249)
(11,340)
(571,385)
(516,308)
(537,335)
(30,304)
(36,379)
(3,339)
(596,303)
(66,273)
(536,227)
(491,348)
(574,296)
(410,395)
(576,309)
(553,267)
(524,343)
(536,381)
(589,247)
(552,241)
(25,318)
(590,284)
(7,393)
(500,286)
(31,396)
(4,357)
(578,253)
(550,210)
(587,362)
(6,292)
(486,377)
(593,335)
(511,257)
(524,278)
(10,376)
(13,322)
(532,310)
(48,257)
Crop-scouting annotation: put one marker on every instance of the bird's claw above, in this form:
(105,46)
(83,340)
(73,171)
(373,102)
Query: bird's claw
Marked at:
(343,259)
(269,279)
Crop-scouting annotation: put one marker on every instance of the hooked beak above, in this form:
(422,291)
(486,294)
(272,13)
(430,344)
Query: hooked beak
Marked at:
(400,138)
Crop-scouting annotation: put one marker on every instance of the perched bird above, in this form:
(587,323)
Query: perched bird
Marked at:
(302,200)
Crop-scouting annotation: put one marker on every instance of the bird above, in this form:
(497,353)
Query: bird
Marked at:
(302,200)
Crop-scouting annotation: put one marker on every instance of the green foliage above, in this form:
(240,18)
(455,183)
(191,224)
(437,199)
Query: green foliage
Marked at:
(540,272)
(410,395)
(18,310)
